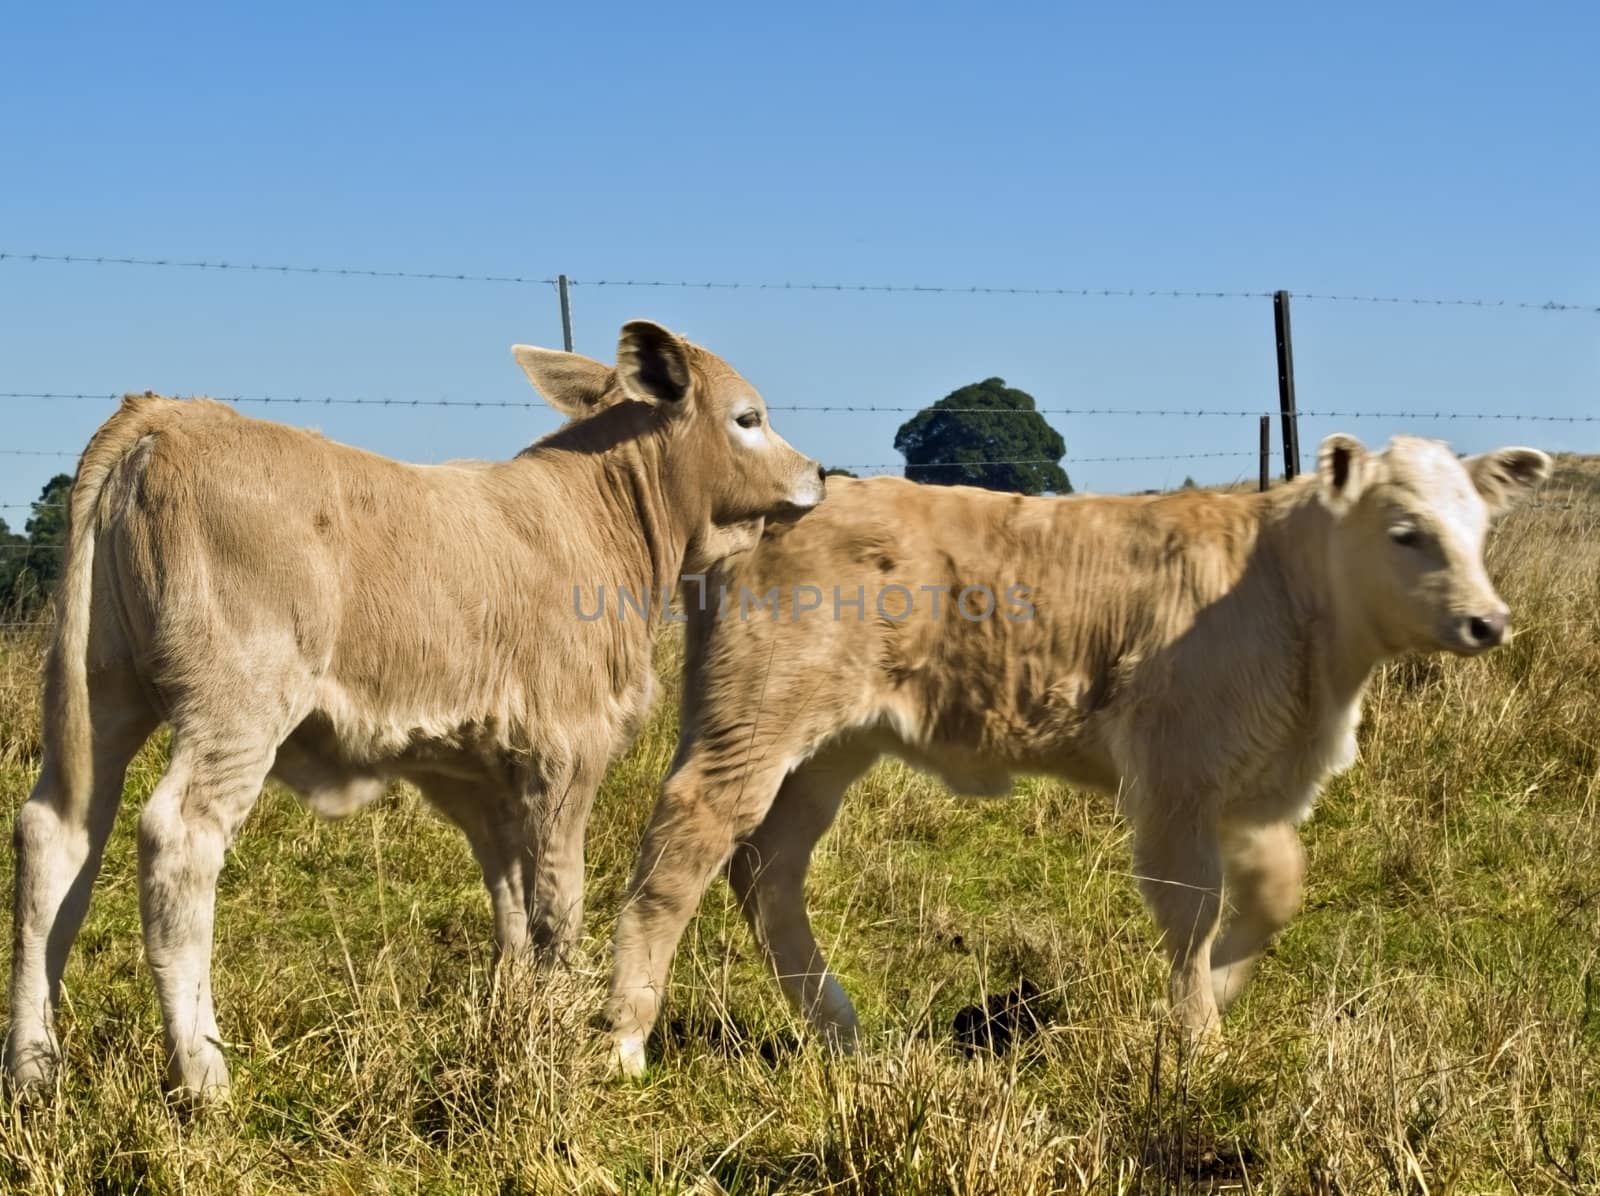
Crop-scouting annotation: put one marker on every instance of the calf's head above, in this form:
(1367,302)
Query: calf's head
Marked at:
(719,445)
(1410,522)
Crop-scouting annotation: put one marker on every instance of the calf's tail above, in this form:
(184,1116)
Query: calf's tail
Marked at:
(68,734)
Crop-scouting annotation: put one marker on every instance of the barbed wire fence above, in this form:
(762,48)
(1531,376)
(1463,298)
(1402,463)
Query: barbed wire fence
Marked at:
(556,282)
(1287,415)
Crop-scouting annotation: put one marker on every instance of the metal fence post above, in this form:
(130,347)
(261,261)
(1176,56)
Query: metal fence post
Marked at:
(1286,411)
(1266,451)
(566,313)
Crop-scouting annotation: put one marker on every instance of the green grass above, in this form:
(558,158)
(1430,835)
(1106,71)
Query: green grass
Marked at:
(1431,1022)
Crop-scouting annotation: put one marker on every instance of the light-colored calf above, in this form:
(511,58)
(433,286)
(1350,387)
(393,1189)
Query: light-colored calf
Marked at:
(298,609)
(1200,655)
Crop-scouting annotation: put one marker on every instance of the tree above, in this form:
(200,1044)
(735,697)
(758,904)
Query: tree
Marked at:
(833,472)
(973,437)
(1188,483)
(12,560)
(30,566)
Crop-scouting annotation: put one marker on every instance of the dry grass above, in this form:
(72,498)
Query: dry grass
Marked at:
(1431,1022)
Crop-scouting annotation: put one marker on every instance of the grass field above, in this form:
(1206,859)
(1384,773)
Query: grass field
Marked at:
(1430,1023)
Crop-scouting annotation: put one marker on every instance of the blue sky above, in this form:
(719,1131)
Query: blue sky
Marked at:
(1425,149)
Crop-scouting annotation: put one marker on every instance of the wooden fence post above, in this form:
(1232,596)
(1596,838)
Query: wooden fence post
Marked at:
(1286,411)
(566,313)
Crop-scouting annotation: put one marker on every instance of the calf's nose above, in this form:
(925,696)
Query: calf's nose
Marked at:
(1485,631)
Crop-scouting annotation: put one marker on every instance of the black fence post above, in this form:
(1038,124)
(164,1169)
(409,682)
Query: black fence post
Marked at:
(1266,451)
(1286,411)
(566,313)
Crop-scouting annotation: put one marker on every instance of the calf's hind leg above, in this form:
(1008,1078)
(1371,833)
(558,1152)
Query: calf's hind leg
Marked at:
(768,872)
(59,837)
(693,828)
(211,783)
(530,846)
(497,823)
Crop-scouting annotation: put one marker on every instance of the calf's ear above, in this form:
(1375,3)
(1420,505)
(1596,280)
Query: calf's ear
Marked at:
(1342,467)
(574,385)
(1505,476)
(653,363)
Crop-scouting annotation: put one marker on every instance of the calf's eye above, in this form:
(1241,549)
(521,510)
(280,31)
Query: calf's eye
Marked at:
(1406,537)
(750,419)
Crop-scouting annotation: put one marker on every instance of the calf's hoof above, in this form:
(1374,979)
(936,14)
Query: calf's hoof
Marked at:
(30,1068)
(627,1018)
(198,1077)
(1203,1042)
(627,1054)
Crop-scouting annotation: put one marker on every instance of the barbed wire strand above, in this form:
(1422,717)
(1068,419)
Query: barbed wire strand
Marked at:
(263,268)
(1548,305)
(1540,506)
(297,400)
(897,465)
(1131,412)
(58,506)
(1234,413)
(29,549)
(1049,461)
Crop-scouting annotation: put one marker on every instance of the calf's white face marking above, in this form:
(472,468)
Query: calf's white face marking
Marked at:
(1408,551)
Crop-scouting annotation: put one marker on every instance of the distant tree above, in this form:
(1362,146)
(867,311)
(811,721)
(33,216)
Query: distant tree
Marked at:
(1188,484)
(832,472)
(963,438)
(30,566)
(12,560)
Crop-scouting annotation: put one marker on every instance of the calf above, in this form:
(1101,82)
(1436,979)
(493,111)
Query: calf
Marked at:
(298,609)
(1200,655)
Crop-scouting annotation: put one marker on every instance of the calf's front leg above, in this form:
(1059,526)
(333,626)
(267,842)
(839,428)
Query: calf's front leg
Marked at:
(1178,864)
(555,897)
(1263,872)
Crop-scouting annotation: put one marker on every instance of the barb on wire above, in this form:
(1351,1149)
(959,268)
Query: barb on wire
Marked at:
(262,268)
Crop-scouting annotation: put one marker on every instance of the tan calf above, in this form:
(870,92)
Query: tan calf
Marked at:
(302,610)
(1200,655)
